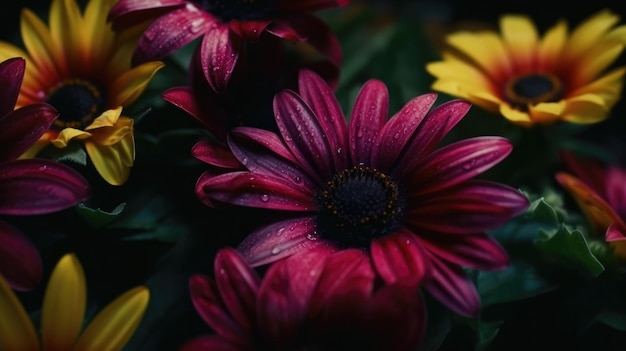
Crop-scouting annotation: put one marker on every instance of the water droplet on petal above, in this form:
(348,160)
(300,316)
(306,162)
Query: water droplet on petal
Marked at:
(313,236)
(276,250)
(265,198)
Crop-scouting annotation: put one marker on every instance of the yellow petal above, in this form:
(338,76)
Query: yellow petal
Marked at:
(68,134)
(551,46)
(112,135)
(597,60)
(32,74)
(39,145)
(547,112)
(43,51)
(586,109)
(520,37)
(129,86)
(515,115)
(97,35)
(113,162)
(65,28)
(107,119)
(64,304)
(17,332)
(608,87)
(590,32)
(115,324)
(486,49)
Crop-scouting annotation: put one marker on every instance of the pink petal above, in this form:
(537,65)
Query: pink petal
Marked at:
(206,112)
(263,152)
(211,343)
(471,207)
(238,285)
(37,186)
(478,251)
(321,99)
(369,115)
(219,52)
(279,240)
(399,258)
(171,32)
(21,128)
(20,263)
(435,126)
(126,13)
(249,30)
(11,74)
(453,288)
(215,154)
(457,162)
(394,136)
(255,190)
(614,191)
(304,136)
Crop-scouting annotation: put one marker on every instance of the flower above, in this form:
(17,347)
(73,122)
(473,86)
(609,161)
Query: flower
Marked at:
(531,80)
(599,192)
(82,68)
(225,28)
(63,313)
(28,187)
(304,302)
(374,184)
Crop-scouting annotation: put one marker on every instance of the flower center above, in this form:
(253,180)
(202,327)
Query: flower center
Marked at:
(77,101)
(357,205)
(533,88)
(228,10)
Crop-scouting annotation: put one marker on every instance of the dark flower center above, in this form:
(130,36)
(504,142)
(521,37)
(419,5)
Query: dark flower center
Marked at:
(357,205)
(533,88)
(77,101)
(228,10)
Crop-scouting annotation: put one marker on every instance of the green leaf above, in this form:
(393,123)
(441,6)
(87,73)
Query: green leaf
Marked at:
(613,319)
(98,218)
(571,247)
(487,331)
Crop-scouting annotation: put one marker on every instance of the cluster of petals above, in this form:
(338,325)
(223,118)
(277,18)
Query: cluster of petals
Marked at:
(444,212)
(81,51)
(315,301)
(63,313)
(28,186)
(599,192)
(225,28)
(529,80)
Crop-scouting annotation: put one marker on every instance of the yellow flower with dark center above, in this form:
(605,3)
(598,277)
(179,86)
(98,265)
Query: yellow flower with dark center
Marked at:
(82,67)
(530,79)
(63,313)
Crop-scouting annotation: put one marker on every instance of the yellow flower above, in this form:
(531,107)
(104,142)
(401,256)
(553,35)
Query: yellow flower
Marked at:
(531,80)
(63,313)
(83,68)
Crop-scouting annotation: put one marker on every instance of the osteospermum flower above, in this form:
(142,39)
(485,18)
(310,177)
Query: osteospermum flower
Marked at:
(315,301)
(530,80)
(82,68)
(225,27)
(599,192)
(374,184)
(28,187)
(63,313)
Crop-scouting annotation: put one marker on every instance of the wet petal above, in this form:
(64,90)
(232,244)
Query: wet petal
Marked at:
(399,258)
(219,53)
(112,327)
(37,186)
(21,128)
(127,13)
(64,304)
(12,75)
(279,240)
(250,30)
(453,288)
(396,133)
(16,329)
(457,162)
(215,154)
(369,115)
(20,262)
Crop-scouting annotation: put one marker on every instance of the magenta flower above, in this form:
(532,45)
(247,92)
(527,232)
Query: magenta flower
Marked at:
(314,301)
(28,186)
(226,26)
(372,184)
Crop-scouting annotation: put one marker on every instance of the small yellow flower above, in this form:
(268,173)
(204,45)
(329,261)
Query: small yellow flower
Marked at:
(531,80)
(63,313)
(83,68)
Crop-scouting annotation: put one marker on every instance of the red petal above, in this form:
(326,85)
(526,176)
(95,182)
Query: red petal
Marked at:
(215,154)
(219,53)
(394,136)
(249,30)
(369,115)
(206,112)
(20,263)
(457,162)
(37,186)
(21,128)
(11,74)
(453,288)
(399,258)
(127,13)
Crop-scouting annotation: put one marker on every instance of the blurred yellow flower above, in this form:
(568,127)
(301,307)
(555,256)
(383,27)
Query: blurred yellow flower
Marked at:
(531,80)
(63,313)
(82,67)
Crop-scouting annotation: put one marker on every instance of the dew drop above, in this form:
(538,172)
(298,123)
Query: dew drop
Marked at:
(280,231)
(244,161)
(313,236)
(43,168)
(298,179)
(276,250)
(265,198)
